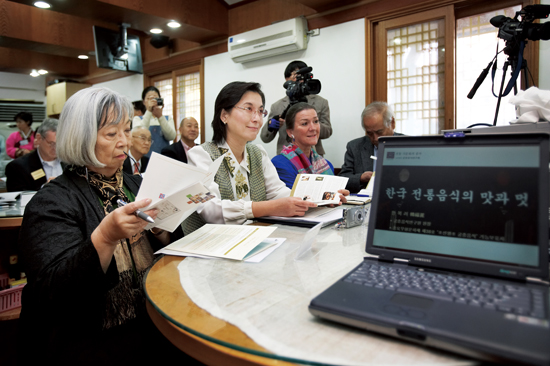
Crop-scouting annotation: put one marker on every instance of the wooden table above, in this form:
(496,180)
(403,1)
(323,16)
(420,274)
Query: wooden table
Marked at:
(191,327)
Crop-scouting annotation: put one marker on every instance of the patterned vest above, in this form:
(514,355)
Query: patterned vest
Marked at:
(222,178)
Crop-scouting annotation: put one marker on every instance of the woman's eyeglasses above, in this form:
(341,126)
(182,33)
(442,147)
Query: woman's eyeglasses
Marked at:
(262,113)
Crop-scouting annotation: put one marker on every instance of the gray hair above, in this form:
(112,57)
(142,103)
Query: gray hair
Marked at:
(85,113)
(378,108)
(48,125)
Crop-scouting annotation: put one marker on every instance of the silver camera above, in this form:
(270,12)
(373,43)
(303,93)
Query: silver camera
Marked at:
(354,216)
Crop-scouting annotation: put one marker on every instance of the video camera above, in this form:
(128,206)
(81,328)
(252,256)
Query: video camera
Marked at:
(303,86)
(514,31)
(297,92)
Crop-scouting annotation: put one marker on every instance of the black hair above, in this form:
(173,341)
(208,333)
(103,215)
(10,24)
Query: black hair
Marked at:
(138,104)
(147,90)
(25,116)
(226,100)
(293,66)
(293,111)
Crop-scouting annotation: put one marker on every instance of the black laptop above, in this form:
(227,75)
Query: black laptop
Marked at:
(459,228)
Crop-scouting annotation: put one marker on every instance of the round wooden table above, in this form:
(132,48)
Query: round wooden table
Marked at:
(192,329)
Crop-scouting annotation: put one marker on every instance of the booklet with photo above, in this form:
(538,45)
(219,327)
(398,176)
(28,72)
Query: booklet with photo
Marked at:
(318,188)
(176,188)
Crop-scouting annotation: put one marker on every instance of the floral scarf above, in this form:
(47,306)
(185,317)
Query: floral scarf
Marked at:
(315,164)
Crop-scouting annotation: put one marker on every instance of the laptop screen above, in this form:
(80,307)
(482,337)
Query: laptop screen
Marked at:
(460,201)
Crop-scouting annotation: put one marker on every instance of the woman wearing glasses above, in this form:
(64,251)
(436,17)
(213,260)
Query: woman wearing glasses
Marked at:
(300,157)
(246,184)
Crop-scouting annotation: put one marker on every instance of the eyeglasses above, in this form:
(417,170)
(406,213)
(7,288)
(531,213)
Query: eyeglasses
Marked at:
(51,143)
(144,139)
(261,112)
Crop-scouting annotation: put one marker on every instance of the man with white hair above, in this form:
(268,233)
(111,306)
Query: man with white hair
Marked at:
(32,171)
(377,120)
(141,142)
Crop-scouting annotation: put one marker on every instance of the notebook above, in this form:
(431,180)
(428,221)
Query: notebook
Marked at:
(458,248)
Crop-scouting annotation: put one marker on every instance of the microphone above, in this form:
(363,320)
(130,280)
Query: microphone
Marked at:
(480,80)
(304,70)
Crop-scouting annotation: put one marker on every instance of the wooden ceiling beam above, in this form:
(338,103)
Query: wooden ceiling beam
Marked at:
(23,62)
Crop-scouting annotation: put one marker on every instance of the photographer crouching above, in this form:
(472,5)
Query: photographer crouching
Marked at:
(300,87)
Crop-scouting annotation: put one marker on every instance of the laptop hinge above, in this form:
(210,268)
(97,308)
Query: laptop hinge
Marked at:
(400,260)
(537,281)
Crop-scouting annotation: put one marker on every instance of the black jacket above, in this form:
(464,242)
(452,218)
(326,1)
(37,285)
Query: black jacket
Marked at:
(175,151)
(18,173)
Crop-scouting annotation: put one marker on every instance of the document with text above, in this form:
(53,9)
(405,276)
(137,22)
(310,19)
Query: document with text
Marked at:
(319,188)
(236,242)
(176,188)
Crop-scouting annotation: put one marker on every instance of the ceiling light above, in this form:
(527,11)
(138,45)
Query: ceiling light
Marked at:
(42,5)
(174,24)
(83,57)
(156,31)
(34,73)
(42,72)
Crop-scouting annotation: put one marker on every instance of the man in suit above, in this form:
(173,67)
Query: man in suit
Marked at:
(320,104)
(31,171)
(140,143)
(377,120)
(189,131)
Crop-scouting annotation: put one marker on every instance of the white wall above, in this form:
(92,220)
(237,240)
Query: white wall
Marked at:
(22,87)
(130,86)
(337,56)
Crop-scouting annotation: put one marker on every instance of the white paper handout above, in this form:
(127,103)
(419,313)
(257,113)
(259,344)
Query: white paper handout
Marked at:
(319,188)
(176,188)
(225,241)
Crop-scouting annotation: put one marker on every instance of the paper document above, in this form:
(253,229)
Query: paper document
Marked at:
(370,187)
(319,188)
(314,216)
(176,188)
(225,241)
(9,198)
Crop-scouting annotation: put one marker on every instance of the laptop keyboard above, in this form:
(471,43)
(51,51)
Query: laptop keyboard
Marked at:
(466,290)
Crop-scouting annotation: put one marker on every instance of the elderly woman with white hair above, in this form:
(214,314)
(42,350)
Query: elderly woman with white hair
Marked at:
(84,256)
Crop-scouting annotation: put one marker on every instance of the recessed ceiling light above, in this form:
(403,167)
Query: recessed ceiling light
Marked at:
(156,30)
(42,72)
(34,73)
(42,5)
(83,57)
(174,24)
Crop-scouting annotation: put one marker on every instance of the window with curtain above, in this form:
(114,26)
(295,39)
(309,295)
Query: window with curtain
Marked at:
(165,89)
(188,97)
(476,45)
(415,68)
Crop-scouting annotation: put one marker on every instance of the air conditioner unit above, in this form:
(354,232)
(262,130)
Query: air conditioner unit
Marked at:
(283,37)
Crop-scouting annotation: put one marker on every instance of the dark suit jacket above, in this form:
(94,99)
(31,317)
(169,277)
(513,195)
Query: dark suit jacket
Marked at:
(18,173)
(175,151)
(127,167)
(357,161)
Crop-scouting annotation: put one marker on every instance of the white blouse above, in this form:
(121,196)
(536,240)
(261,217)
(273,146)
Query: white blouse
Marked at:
(166,125)
(218,211)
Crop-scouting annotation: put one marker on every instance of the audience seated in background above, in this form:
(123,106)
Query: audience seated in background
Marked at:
(161,127)
(246,184)
(274,126)
(84,256)
(21,142)
(140,143)
(31,171)
(300,157)
(377,120)
(189,131)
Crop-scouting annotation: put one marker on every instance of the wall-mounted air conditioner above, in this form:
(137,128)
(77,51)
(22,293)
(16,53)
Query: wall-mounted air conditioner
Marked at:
(283,37)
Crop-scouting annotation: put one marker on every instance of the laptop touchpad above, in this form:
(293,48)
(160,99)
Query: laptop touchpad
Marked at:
(414,301)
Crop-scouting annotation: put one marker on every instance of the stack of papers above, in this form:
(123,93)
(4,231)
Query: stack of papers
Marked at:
(237,242)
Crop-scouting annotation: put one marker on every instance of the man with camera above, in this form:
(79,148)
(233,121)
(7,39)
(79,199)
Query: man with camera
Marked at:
(296,74)
(377,120)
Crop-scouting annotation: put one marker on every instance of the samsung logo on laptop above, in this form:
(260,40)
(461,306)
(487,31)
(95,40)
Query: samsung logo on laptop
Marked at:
(508,272)
(423,260)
